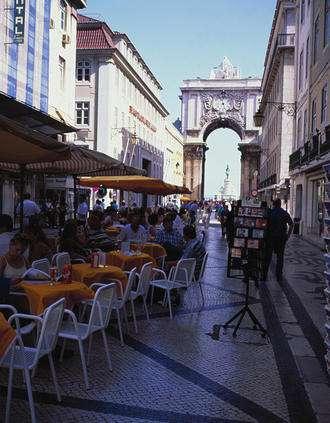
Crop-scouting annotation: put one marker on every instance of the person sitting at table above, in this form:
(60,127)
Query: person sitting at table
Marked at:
(153,226)
(70,242)
(38,244)
(194,248)
(170,238)
(134,231)
(6,234)
(97,238)
(13,263)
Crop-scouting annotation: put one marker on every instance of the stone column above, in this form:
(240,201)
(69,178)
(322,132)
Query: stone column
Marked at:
(193,158)
(249,165)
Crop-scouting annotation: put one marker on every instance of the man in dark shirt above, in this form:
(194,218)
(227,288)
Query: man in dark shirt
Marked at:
(280,227)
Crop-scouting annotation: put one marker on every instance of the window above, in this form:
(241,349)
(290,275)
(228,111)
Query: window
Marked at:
(83,71)
(324,103)
(316,45)
(298,132)
(61,67)
(302,11)
(305,126)
(301,67)
(313,116)
(63,14)
(82,112)
(307,58)
(327,22)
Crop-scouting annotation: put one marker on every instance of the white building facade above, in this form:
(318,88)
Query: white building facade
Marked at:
(118,107)
(312,134)
(277,106)
(173,158)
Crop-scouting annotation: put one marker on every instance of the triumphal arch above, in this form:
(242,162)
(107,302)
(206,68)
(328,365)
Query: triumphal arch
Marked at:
(225,100)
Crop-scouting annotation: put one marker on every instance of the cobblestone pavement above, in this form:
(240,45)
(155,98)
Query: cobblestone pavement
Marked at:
(182,371)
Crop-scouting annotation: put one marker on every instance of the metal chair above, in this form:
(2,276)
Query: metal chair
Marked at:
(181,276)
(120,302)
(43,265)
(201,274)
(60,260)
(20,357)
(98,321)
(141,290)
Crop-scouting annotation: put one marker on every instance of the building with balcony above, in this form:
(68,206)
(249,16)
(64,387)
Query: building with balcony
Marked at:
(277,107)
(312,133)
(118,109)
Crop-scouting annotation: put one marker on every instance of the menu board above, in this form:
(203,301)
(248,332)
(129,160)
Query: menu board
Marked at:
(250,224)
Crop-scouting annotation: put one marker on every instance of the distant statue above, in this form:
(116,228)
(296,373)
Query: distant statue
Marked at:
(226,70)
(227,172)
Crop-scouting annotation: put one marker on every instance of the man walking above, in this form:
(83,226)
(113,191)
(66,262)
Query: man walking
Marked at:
(280,227)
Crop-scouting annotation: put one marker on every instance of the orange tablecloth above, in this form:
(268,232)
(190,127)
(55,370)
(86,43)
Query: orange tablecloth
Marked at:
(127,263)
(85,273)
(112,231)
(7,334)
(42,295)
(154,250)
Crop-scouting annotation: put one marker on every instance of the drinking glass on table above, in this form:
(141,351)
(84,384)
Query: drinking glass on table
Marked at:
(53,275)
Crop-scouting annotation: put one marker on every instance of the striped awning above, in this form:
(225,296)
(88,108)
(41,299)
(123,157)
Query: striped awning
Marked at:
(136,183)
(20,145)
(82,162)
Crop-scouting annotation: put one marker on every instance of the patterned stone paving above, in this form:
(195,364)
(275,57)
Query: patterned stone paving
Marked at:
(181,371)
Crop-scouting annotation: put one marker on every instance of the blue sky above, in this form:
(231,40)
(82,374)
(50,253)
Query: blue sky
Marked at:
(181,39)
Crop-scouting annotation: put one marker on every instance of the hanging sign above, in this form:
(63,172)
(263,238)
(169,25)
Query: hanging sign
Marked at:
(19,21)
(250,201)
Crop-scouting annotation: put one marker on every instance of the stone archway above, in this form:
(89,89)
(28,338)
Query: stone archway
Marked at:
(223,101)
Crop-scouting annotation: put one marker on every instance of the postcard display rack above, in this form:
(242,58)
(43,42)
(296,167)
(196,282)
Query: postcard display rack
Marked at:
(248,244)
(326,236)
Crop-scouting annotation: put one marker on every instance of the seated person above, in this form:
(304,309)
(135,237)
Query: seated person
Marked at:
(71,242)
(13,264)
(170,239)
(153,226)
(194,248)
(134,231)
(6,234)
(181,220)
(97,238)
(38,244)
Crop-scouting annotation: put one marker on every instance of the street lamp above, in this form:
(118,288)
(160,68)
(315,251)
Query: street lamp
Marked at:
(288,108)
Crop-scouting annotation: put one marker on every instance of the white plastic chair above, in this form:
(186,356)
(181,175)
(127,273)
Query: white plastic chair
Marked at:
(181,276)
(60,260)
(161,262)
(201,274)
(98,321)
(42,264)
(26,359)
(120,302)
(141,290)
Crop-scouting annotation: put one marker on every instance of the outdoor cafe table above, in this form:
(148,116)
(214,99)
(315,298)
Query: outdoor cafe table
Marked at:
(154,250)
(42,295)
(7,334)
(128,262)
(86,274)
(112,231)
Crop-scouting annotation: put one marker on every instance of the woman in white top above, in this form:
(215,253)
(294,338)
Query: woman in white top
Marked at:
(13,264)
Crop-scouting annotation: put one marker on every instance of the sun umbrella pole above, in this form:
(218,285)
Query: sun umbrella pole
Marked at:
(21,194)
(75,197)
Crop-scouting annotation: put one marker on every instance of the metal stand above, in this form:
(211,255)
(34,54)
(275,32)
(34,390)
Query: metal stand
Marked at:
(246,310)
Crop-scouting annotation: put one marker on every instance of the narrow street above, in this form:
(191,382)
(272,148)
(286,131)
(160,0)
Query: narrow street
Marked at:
(181,371)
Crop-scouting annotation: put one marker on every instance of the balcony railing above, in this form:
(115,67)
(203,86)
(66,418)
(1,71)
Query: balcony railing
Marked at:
(271,180)
(285,40)
(311,150)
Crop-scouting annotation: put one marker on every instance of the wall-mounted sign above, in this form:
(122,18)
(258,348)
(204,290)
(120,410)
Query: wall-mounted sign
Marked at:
(142,118)
(19,21)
